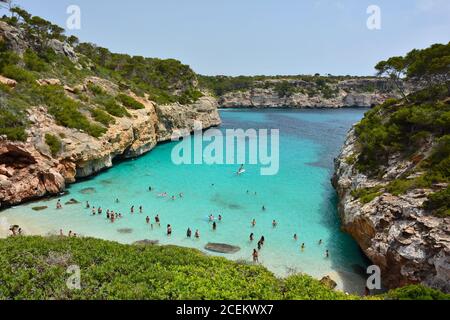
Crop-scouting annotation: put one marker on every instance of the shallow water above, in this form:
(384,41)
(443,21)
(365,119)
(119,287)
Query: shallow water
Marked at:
(300,197)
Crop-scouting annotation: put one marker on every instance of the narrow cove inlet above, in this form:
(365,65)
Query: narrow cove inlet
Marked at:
(300,198)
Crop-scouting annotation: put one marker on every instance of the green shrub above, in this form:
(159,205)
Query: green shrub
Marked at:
(366,195)
(111,106)
(66,111)
(33,62)
(95,89)
(439,202)
(417,292)
(12,125)
(17,73)
(54,143)
(130,102)
(101,116)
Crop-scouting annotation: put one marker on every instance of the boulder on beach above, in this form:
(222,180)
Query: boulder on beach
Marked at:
(146,243)
(40,208)
(327,281)
(222,248)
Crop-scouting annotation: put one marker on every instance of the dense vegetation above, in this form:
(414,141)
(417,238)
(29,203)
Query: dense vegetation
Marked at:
(164,81)
(284,86)
(415,128)
(36,268)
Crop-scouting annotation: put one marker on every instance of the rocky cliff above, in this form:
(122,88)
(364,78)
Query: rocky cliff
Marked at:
(409,244)
(28,170)
(46,85)
(358,92)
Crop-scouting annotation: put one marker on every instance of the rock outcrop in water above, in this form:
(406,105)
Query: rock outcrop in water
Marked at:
(409,244)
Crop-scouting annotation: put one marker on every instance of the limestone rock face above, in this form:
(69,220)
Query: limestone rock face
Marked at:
(178,117)
(409,244)
(348,93)
(29,171)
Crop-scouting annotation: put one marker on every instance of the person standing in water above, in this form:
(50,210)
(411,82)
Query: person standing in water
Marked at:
(320,242)
(169,230)
(274,223)
(141,209)
(157,220)
(147,219)
(252,237)
(214,226)
(255,256)
(132,210)
(303,247)
(295,237)
(254,223)
(58,204)
(189,233)
(197,234)
(327,254)
(88,206)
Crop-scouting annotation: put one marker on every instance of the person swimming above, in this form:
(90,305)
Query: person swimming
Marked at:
(150,189)
(295,237)
(255,256)
(117,200)
(263,208)
(220,217)
(274,223)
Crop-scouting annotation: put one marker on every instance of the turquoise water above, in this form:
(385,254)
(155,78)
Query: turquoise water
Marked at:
(300,197)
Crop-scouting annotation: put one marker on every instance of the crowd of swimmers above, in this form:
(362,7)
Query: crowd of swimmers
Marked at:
(112,216)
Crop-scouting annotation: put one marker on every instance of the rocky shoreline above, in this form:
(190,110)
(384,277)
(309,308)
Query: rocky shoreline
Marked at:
(29,171)
(408,244)
(347,93)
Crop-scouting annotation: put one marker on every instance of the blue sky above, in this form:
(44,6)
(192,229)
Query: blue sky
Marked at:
(249,37)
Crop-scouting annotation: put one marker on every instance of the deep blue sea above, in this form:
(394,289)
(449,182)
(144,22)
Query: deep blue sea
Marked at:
(300,198)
